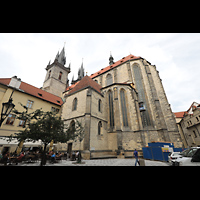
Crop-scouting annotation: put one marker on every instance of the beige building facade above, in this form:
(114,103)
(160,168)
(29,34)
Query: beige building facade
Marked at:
(31,97)
(189,125)
(122,106)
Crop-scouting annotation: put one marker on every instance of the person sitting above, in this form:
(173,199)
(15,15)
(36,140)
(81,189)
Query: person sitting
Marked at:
(53,158)
(19,158)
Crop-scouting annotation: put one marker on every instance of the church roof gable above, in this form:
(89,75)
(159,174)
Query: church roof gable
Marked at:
(85,82)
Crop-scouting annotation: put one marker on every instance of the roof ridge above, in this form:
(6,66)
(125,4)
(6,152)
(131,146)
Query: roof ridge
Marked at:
(84,83)
(34,91)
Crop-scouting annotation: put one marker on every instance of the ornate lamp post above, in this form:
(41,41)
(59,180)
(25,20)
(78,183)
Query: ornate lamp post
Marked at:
(6,108)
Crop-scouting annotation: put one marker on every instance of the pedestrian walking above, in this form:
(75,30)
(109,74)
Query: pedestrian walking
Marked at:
(136,158)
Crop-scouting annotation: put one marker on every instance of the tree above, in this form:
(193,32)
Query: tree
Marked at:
(45,126)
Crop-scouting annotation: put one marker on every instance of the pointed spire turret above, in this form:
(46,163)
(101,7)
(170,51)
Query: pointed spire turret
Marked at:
(81,72)
(61,57)
(111,59)
(57,56)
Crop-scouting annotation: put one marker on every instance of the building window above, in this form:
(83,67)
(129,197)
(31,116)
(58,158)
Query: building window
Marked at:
(71,128)
(109,79)
(49,74)
(29,104)
(195,135)
(99,128)
(141,96)
(53,109)
(60,76)
(10,120)
(100,105)
(22,123)
(111,110)
(123,107)
(74,105)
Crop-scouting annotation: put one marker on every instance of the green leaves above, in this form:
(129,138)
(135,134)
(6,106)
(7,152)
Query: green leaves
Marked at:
(47,126)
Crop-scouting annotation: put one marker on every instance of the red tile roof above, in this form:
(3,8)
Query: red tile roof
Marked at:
(179,114)
(85,82)
(124,59)
(103,70)
(34,91)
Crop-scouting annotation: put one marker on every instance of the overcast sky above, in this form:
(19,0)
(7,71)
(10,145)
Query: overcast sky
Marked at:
(176,56)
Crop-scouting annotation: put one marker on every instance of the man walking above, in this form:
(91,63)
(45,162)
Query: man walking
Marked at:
(136,158)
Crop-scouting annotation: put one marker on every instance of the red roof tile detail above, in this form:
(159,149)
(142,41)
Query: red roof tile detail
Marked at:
(34,91)
(124,59)
(179,114)
(84,83)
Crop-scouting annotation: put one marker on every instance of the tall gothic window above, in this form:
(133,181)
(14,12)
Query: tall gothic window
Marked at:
(60,76)
(111,110)
(123,107)
(100,105)
(141,96)
(109,79)
(99,127)
(74,104)
(49,74)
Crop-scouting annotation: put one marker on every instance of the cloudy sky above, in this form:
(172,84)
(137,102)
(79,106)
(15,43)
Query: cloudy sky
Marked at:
(176,56)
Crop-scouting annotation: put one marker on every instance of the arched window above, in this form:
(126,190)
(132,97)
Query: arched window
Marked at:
(141,96)
(111,110)
(99,127)
(100,105)
(109,79)
(60,76)
(71,129)
(74,104)
(49,74)
(123,107)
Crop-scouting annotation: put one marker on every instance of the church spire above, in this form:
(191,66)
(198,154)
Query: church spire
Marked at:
(81,72)
(56,58)
(61,57)
(111,59)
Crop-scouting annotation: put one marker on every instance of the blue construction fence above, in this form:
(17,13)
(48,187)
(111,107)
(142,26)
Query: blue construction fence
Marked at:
(159,151)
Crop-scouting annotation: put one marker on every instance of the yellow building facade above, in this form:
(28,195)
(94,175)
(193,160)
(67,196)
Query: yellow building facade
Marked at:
(29,96)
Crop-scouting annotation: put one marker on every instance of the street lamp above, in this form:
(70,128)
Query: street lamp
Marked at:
(6,108)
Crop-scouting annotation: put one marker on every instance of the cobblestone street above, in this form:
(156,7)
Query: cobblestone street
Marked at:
(100,162)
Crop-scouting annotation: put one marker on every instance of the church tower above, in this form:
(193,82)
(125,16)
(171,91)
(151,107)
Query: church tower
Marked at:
(56,79)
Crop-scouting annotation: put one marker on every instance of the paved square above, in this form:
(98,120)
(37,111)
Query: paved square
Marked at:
(100,162)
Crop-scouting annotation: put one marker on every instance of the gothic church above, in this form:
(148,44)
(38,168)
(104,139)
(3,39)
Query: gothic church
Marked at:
(122,106)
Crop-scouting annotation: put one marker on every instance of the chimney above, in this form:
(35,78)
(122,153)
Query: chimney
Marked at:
(15,82)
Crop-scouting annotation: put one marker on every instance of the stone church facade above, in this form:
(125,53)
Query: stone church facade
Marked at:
(122,106)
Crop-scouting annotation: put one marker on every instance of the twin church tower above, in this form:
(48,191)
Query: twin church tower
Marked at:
(56,80)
